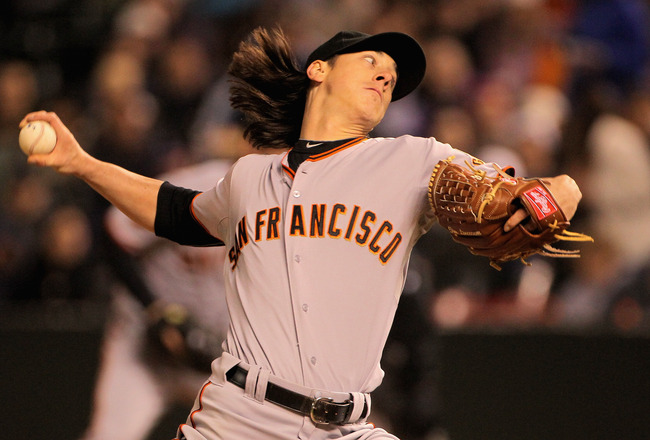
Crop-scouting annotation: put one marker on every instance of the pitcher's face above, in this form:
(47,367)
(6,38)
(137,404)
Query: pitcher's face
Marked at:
(361,84)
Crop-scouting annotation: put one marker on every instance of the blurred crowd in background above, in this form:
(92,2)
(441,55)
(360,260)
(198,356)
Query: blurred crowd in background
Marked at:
(547,86)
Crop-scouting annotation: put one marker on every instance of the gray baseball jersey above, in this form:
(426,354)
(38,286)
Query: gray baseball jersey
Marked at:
(317,258)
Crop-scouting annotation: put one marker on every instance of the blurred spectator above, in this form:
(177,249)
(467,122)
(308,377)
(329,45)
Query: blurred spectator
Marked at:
(617,147)
(541,115)
(450,73)
(180,80)
(142,27)
(59,263)
(24,208)
(126,114)
(629,308)
(19,93)
(582,299)
(609,42)
(614,145)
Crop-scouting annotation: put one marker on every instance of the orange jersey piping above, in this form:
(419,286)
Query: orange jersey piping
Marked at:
(200,408)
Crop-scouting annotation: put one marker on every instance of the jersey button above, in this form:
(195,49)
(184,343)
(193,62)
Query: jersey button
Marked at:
(313,360)
(297,258)
(305,307)
(296,194)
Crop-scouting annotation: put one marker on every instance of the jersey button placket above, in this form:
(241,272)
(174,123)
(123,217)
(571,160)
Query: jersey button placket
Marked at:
(295,273)
(300,285)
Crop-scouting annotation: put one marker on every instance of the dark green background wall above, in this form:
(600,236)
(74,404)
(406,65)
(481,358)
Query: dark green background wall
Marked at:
(546,386)
(493,386)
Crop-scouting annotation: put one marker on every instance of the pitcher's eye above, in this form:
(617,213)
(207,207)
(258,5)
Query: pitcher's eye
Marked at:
(370,59)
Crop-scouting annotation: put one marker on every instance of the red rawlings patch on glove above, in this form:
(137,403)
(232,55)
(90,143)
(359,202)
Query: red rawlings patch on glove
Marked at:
(541,202)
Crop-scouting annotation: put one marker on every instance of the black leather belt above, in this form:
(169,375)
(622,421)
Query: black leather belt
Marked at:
(320,410)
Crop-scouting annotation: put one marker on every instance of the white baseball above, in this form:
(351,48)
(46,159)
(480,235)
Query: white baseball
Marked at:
(37,137)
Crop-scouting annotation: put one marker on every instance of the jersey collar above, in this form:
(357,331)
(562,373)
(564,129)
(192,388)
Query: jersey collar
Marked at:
(313,151)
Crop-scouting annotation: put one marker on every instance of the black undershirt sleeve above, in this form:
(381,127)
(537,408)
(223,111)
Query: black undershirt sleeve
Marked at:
(174,219)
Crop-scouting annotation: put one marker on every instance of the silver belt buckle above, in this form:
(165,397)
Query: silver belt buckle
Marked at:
(319,420)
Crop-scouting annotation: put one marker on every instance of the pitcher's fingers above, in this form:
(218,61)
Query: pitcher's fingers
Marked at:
(37,159)
(33,116)
(515,219)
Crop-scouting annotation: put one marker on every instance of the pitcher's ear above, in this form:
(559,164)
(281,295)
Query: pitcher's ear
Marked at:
(316,70)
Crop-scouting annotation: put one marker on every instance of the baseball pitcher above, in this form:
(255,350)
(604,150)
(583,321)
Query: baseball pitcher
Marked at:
(317,238)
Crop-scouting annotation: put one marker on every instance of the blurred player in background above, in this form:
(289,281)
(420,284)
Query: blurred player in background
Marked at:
(166,324)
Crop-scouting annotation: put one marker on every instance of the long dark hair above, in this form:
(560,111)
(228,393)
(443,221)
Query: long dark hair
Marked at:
(269,88)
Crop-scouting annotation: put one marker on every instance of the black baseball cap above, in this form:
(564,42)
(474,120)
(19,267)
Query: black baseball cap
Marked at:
(407,53)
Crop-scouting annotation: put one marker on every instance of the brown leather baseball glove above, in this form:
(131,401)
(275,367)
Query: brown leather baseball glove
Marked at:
(475,207)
